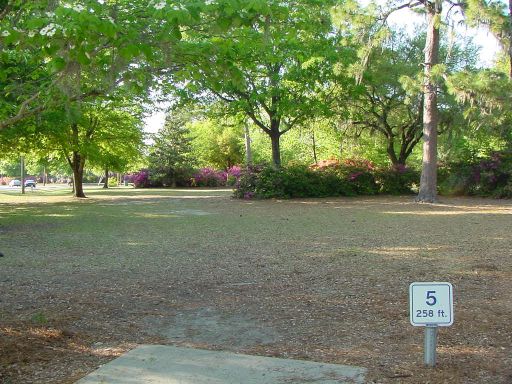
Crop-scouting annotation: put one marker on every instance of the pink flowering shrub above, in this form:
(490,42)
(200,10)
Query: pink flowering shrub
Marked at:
(490,176)
(138,179)
(328,178)
(209,177)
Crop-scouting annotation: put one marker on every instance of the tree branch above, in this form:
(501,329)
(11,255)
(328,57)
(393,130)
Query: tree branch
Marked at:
(223,98)
(5,11)
(257,121)
(23,112)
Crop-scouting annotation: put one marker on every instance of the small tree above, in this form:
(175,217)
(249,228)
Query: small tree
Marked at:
(217,142)
(391,105)
(170,154)
(92,133)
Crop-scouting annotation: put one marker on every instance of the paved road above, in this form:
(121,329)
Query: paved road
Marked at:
(47,187)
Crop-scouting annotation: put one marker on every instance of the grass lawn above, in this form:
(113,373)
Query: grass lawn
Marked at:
(327,280)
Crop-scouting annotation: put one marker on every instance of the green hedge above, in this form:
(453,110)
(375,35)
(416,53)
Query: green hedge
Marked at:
(351,178)
(489,177)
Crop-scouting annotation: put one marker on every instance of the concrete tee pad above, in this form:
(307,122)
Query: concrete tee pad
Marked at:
(159,364)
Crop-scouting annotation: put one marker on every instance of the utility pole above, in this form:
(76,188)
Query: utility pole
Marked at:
(22,164)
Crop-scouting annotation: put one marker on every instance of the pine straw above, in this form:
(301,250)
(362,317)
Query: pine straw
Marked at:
(325,279)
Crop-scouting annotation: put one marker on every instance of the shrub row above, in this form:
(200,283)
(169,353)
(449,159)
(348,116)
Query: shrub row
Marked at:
(204,177)
(490,177)
(350,178)
(209,177)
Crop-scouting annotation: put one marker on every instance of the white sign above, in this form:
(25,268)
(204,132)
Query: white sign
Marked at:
(431,304)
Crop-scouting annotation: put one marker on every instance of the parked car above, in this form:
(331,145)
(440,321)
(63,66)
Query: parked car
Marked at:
(14,183)
(30,183)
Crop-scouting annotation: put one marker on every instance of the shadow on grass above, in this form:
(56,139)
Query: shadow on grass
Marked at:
(164,192)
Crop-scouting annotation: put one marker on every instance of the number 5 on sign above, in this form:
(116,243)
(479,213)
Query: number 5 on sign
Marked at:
(431,304)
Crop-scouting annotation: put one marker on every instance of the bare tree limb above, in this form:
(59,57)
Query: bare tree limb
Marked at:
(23,112)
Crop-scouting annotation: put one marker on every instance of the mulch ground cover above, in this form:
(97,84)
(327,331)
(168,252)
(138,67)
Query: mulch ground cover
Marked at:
(318,279)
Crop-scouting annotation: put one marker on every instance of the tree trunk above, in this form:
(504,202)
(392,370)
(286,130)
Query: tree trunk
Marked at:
(77,163)
(248,151)
(78,175)
(276,150)
(510,59)
(314,146)
(105,185)
(402,159)
(510,40)
(406,147)
(339,129)
(428,182)
(275,136)
(390,149)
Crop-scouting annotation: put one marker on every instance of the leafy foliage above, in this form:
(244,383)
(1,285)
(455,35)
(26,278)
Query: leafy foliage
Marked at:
(496,16)
(397,180)
(76,74)
(60,54)
(216,143)
(170,160)
(268,60)
(491,176)
(335,179)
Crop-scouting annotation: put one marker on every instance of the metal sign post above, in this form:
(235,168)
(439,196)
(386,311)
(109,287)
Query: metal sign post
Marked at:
(431,306)
(430,344)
